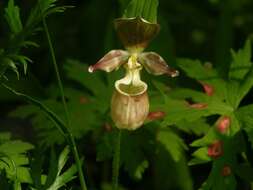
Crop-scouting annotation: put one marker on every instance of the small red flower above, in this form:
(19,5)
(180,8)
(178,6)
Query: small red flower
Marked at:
(82,100)
(107,127)
(155,115)
(223,124)
(215,150)
(209,90)
(198,105)
(226,171)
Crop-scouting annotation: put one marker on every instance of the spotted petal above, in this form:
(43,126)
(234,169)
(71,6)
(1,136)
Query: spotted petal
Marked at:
(111,61)
(155,64)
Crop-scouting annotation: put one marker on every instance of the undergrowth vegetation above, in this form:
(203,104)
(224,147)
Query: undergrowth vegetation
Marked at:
(58,134)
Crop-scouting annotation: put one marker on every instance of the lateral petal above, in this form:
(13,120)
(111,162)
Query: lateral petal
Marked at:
(111,61)
(155,64)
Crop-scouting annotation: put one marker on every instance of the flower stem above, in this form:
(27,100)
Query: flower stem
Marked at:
(116,162)
(70,138)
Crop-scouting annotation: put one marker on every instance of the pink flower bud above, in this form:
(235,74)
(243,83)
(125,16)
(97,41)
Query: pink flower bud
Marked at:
(223,124)
(83,100)
(107,127)
(209,90)
(198,105)
(155,115)
(226,171)
(215,150)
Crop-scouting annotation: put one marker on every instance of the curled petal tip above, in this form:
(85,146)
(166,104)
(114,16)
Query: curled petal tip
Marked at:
(111,61)
(156,65)
(174,73)
(91,69)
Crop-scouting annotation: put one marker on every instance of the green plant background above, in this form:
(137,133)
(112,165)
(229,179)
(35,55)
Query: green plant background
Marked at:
(196,37)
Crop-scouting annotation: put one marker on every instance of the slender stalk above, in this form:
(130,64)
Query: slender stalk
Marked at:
(70,138)
(116,162)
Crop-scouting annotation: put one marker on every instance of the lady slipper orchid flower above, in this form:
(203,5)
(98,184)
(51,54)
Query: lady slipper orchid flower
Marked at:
(130,104)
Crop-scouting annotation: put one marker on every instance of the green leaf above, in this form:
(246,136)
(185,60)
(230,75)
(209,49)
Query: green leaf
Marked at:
(146,9)
(43,7)
(12,16)
(244,115)
(171,174)
(79,72)
(22,59)
(14,159)
(204,73)
(241,62)
(198,127)
(57,176)
(240,75)
(172,142)
(178,110)
(206,140)
(66,176)
(59,123)
(83,116)
(134,144)
(200,157)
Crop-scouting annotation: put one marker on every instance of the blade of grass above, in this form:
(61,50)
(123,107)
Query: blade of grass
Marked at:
(71,138)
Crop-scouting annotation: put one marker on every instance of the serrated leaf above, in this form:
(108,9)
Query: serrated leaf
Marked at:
(241,70)
(14,159)
(244,115)
(206,140)
(200,157)
(204,73)
(198,127)
(177,110)
(241,62)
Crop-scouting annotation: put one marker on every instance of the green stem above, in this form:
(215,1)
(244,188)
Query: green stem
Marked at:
(224,38)
(116,162)
(70,138)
